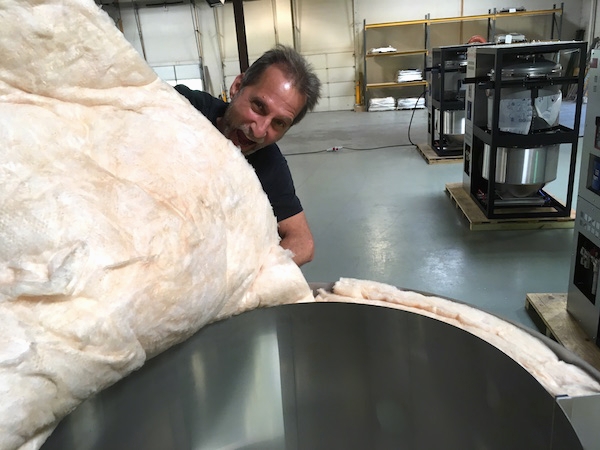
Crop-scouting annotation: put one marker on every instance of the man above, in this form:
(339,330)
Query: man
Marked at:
(266,100)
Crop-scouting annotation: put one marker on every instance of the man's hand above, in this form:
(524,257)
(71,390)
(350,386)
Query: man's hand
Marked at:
(296,236)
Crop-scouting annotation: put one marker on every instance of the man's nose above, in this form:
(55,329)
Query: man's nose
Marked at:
(260,127)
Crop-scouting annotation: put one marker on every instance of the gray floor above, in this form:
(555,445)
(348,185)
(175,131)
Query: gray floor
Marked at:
(383,215)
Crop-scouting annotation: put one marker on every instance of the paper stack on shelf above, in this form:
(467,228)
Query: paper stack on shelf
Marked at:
(411,103)
(388,49)
(382,104)
(409,75)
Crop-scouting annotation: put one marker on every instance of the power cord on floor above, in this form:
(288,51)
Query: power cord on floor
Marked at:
(413,115)
(306,153)
(337,149)
(377,148)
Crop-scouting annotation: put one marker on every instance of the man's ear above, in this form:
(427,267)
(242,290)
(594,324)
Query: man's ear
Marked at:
(235,86)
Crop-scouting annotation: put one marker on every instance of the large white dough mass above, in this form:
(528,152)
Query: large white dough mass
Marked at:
(127,222)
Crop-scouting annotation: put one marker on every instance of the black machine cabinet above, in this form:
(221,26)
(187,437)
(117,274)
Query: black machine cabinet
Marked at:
(447,71)
(512,134)
(583,301)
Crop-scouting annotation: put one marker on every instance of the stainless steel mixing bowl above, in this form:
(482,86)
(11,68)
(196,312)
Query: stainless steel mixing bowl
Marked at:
(323,376)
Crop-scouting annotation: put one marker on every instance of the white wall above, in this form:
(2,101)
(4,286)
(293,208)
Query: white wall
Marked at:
(167,33)
(323,34)
(326,38)
(591,9)
(328,33)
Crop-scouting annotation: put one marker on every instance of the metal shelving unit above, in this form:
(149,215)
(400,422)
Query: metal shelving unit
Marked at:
(406,31)
(396,60)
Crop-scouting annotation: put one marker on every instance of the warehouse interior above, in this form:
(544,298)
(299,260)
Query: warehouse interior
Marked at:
(380,208)
(399,225)
(380,212)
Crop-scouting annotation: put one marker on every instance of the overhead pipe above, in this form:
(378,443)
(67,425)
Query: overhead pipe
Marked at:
(138,24)
(592,23)
(221,52)
(198,36)
(275,27)
(295,30)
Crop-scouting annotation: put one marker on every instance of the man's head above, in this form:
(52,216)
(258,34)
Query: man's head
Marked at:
(271,96)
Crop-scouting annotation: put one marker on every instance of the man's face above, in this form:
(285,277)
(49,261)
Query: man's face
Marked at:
(260,114)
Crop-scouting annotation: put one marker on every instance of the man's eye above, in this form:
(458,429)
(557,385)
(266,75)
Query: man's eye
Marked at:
(279,124)
(257,107)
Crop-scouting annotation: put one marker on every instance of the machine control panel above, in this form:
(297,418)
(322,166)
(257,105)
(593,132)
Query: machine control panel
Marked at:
(588,223)
(582,301)
(589,183)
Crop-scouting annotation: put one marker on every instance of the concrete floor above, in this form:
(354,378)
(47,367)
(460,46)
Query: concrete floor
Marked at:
(383,215)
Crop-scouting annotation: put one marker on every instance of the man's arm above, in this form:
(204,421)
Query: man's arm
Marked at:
(296,236)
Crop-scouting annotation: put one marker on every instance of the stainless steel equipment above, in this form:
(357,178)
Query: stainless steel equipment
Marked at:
(323,376)
(446,100)
(455,68)
(454,122)
(513,131)
(521,172)
(583,301)
(524,110)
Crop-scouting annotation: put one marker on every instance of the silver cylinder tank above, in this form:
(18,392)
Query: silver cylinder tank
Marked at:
(521,172)
(323,376)
(454,122)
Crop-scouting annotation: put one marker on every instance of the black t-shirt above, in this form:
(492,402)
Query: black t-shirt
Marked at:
(268,163)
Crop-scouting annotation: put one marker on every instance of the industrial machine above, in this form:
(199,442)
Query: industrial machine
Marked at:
(331,376)
(583,301)
(513,133)
(447,68)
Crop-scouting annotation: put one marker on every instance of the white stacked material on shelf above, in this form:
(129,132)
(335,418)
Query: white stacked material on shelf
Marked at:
(510,38)
(382,104)
(388,49)
(409,75)
(411,103)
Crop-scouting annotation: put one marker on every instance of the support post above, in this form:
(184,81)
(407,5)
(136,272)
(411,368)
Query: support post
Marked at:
(240,30)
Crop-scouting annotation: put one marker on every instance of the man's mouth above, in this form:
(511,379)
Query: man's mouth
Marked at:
(243,140)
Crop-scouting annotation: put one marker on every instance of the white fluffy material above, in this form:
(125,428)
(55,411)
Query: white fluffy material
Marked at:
(127,222)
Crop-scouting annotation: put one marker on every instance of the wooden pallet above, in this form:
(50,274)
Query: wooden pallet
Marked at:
(549,313)
(433,158)
(478,220)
